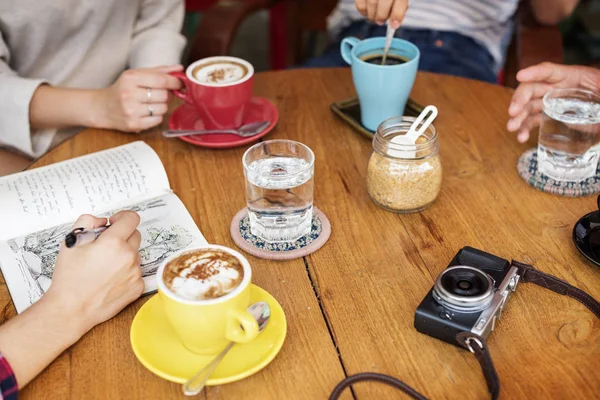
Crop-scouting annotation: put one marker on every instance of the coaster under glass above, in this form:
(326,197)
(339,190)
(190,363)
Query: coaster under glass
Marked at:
(308,244)
(528,170)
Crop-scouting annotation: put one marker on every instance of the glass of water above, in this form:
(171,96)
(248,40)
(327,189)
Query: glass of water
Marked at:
(279,189)
(569,141)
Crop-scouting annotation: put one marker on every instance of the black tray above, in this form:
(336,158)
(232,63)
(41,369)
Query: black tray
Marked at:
(349,111)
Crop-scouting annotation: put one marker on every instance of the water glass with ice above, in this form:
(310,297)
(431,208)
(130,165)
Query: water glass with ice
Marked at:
(279,189)
(569,141)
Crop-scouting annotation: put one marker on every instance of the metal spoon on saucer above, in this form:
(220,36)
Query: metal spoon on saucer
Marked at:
(262,312)
(251,129)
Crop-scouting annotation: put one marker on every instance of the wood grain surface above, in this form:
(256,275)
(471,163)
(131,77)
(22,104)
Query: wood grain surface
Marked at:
(350,306)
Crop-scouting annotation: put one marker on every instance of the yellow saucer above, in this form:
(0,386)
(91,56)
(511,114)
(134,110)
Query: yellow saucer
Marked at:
(159,349)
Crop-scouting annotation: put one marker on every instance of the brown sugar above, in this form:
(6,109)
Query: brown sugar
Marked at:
(404,185)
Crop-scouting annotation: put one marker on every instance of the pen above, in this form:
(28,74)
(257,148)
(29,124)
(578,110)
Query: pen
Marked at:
(81,236)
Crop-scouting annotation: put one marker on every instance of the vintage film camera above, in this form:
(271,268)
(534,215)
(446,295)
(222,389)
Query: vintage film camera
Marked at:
(468,296)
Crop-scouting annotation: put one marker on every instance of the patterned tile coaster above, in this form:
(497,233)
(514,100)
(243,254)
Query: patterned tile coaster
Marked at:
(318,236)
(528,170)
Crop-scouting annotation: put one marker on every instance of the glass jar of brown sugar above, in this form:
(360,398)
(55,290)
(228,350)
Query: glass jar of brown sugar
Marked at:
(404,178)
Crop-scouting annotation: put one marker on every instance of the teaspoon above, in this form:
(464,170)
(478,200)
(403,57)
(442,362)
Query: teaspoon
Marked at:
(388,42)
(251,129)
(262,313)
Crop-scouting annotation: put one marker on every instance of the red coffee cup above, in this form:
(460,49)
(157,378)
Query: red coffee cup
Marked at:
(219,88)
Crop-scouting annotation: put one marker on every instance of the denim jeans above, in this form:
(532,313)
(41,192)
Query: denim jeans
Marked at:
(442,52)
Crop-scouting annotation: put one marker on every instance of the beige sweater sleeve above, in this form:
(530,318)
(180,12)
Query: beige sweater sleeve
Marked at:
(156,38)
(15,95)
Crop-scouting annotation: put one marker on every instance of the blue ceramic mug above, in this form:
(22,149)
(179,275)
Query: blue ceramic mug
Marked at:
(382,89)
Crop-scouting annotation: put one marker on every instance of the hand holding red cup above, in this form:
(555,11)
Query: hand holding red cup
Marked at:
(220,88)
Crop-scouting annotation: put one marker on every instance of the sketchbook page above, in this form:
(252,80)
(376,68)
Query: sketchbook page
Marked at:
(27,261)
(166,227)
(59,193)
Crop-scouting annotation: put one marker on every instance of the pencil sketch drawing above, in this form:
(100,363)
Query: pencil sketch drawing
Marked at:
(35,254)
(140,208)
(160,243)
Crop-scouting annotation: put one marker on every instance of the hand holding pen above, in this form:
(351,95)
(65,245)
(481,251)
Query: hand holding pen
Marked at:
(94,282)
(80,236)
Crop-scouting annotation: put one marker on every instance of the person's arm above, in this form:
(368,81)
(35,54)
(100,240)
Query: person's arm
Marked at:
(551,12)
(56,107)
(31,341)
(91,283)
(28,104)
(121,106)
(380,11)
(15,95)
(157,38)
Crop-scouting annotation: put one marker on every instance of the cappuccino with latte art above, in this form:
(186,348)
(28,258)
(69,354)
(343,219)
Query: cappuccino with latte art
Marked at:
(220,89)
(221,72)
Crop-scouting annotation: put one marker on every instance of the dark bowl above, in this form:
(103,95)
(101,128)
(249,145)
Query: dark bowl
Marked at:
(586,236)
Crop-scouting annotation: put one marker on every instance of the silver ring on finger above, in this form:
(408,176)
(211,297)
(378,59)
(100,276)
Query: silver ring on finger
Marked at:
(149,94)
(150,111)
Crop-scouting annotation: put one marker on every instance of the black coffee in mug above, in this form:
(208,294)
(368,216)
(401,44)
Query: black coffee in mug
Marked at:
(377,58)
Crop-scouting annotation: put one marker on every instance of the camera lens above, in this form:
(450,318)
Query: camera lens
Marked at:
(464,289)
(464,285)
(465,282)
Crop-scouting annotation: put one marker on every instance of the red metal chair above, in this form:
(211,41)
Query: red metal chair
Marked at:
(288,21)
(198,5)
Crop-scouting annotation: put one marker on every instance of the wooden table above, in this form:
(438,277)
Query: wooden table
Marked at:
(350,306)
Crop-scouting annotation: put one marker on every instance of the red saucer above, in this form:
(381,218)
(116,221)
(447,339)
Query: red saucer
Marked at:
(186,117)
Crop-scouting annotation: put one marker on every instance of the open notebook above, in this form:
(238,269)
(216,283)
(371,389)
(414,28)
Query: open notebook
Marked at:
(38,208)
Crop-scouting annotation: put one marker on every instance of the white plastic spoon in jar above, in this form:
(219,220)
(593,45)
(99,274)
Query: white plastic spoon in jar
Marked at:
(407,142)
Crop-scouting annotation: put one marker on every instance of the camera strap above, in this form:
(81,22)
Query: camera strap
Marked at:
(468,340)
(475,343)
(528,273)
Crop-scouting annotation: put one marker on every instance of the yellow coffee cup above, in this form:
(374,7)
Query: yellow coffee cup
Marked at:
(207,326)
